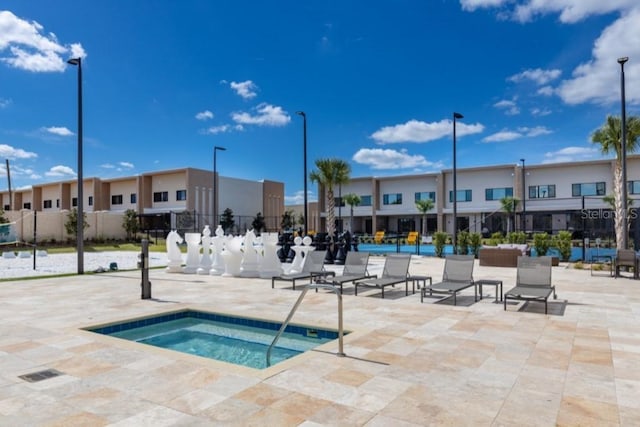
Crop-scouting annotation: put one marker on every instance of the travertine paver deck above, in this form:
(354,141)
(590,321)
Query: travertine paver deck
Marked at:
(408,363)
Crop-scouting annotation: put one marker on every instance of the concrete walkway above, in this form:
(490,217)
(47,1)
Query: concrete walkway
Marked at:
(407,363)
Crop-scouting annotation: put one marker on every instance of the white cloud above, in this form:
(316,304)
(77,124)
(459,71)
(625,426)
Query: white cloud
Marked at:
(245,89)
(546,91)
(4,103)
(471,5)
(598,80)
(509,107)
(214,130)
(9,152)
(126,165)
(594,80)
(570,11)
(538,75)
(540,112)
(535,131)
(60,171)
(418,131)
(521,132)
(570,154)
(204,115)
(378,158)
(107,166)
(267,115)
(29,49)
(17,170)
(61,131)
(298,198)
(503,135)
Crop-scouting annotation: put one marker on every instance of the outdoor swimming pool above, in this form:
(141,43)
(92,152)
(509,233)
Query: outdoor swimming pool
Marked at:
(429,250)
(237,340)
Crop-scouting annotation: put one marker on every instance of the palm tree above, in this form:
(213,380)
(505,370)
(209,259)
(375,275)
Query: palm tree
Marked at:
(508,205)
(331,172)
(609,138)
(352,200)
(424,206)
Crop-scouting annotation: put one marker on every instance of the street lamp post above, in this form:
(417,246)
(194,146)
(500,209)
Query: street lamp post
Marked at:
(455,187)
(340,209)
(304,166)
(524,198)
(80,211)
(215,184)
(623,150)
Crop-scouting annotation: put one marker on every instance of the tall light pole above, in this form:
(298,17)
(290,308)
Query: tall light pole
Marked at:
(455,187)
(524,197)
(215,184)
(80,217)
(304,167)
(623,150)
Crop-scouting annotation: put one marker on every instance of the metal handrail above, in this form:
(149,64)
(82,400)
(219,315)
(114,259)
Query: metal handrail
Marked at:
(295,307)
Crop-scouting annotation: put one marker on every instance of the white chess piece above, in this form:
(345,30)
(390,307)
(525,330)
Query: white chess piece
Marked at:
(205,258)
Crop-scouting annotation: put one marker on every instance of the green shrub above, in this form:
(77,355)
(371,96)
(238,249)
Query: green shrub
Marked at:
(496,238)
(579,266)
(439,240)
(517,237)
(475,241)
(463,242)
(541,243)
(562,241)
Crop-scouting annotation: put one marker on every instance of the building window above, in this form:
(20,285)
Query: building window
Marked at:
(365,200)
(588,189)
(463,196)
(542,191)
(57,203)
(633,187)
(498,193)
(392,199)
(116,199)
(74,202)
(181,195)
(6,207)
(161,196)
(133,198)
(339,201)
(26,206)
(47,204)
(426,195)
(90,200)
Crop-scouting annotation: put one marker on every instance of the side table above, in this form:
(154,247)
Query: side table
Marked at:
(490,282)
(418,279)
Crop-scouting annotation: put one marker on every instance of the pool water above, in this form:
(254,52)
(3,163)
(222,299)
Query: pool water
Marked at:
(230,339)
(429,250)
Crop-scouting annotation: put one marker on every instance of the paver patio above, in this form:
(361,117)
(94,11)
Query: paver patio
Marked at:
(407,363)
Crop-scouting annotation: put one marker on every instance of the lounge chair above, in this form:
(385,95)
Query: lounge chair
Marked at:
(395,271)
(355,268)
(412,237)
(457,276)
(533,281)
(626,258)
(313,267)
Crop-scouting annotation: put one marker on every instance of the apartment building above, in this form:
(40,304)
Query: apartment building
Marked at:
(552,197)
(159,194)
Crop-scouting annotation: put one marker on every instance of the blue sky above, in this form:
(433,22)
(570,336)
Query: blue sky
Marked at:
(166,81)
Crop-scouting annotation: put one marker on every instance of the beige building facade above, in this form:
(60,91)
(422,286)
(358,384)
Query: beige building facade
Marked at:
(552,197)
(167,195)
